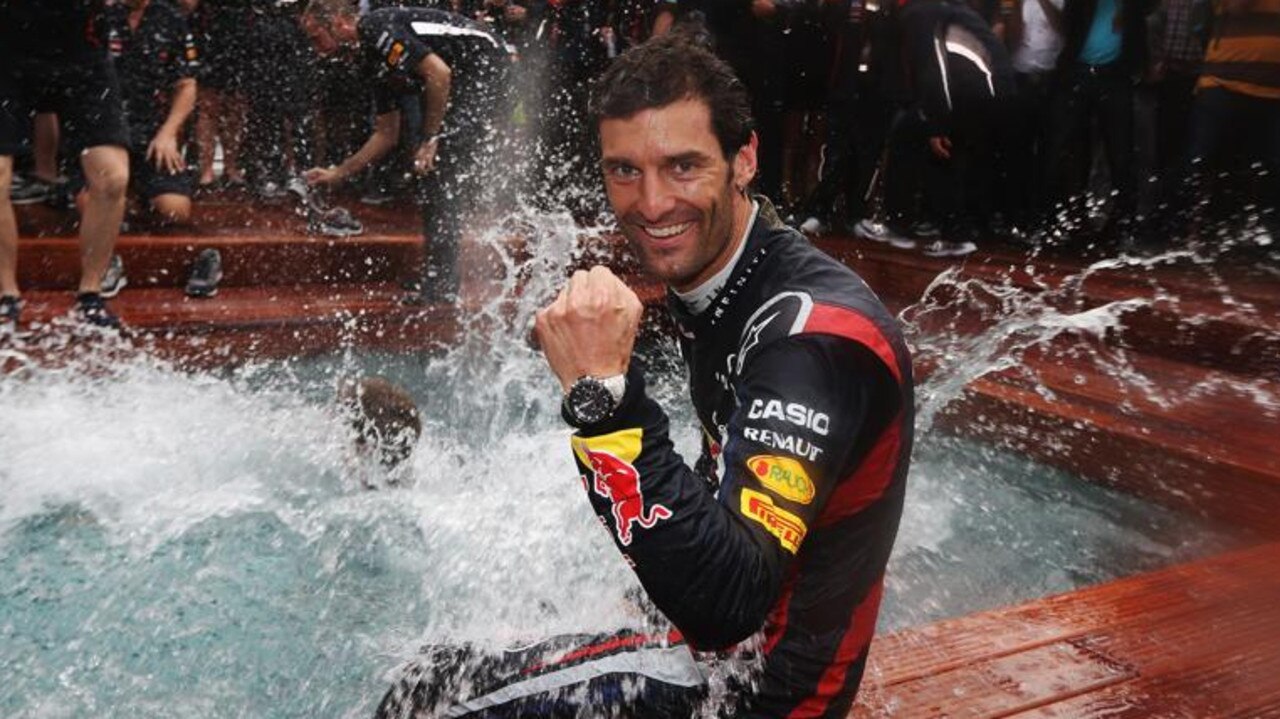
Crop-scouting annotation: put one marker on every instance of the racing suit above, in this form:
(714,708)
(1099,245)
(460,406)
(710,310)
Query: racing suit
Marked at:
(777,541)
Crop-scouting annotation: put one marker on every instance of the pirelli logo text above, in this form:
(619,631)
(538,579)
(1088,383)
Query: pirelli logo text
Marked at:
(787,527)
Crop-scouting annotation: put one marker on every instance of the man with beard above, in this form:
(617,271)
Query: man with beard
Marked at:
(459,69)
(52,57)
(766,561)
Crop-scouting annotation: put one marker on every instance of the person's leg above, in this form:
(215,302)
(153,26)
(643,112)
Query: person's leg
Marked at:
(1115,108)
(1270,153)
(1211,115)
(903,168)
(8,232)
(106,171)
(46,147)
(624,674)
(207,130)
(837,158)
(1067,149)
(172,208)
(235,110)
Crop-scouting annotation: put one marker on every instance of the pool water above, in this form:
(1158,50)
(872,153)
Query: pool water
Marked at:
(201,545)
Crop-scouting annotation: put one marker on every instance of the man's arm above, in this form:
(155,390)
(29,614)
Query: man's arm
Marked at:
(185,62)
(386,133)
(437,82)
(163,149)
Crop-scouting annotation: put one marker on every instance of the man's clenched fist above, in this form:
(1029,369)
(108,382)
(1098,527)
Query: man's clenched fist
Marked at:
(591,327)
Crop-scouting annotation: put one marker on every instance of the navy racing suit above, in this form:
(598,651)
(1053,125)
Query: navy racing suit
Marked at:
(772,550)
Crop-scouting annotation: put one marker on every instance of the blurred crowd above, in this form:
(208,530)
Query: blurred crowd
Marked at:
(926,122)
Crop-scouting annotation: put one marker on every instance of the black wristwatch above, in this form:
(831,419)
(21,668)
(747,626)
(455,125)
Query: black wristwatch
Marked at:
(592,400)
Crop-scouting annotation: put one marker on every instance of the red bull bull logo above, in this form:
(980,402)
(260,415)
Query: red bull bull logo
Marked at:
(615,478)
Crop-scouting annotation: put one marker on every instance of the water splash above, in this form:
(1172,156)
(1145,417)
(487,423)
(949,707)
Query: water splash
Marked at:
(965,327)
(199,544)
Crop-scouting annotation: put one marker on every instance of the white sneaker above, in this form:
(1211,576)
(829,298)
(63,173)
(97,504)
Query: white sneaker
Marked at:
(925,230)
(298,187)
(813,226)
(942,248)
(113,280)
(880,232)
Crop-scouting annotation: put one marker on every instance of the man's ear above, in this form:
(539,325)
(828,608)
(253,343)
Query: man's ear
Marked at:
(745,163)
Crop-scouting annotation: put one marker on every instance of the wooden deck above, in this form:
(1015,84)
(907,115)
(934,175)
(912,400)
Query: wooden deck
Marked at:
(1198,640)
(1193,641)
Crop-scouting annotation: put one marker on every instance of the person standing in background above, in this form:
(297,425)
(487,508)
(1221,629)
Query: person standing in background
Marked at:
(53,58)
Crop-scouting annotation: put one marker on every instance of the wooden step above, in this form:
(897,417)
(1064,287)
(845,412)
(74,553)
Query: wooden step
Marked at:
(234,213)
(247,323)
(1194,640)
(257,259)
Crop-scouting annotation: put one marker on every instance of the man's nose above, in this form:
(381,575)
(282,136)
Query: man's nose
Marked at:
(657,197)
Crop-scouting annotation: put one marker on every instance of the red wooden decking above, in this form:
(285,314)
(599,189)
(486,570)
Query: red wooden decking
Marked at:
(1195,641)
(1198,640)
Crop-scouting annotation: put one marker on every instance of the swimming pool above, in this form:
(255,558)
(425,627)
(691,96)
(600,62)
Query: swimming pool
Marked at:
(177,544)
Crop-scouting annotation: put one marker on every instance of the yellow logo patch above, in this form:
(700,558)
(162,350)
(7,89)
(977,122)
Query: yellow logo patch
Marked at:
(624,444)
(787,527)
(395,54)
(782,475)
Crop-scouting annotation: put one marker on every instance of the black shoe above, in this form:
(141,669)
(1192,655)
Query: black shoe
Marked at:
(10,311)
(334,222)
(113,280)
(206,273)
(93,310)
(30,191)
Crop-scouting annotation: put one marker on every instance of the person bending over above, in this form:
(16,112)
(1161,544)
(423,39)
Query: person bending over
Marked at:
(459,69)
(768,555)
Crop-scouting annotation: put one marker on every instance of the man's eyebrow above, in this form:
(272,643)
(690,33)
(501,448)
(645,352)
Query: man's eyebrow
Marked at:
(693,156)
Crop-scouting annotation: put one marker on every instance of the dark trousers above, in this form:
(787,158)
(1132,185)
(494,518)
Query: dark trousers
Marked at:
(1088,93)
(464,178)
(281,115)
(1026,190)
(904,167)
(1222,119)
(857,123)
(1175,98)
(959,194)
(970,186)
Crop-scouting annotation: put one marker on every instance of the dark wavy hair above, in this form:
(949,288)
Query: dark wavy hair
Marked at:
(670,68)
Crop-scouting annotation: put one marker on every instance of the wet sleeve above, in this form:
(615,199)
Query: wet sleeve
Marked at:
(715,563)
(185,52)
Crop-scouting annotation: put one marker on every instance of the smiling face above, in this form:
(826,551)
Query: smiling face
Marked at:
(677,198)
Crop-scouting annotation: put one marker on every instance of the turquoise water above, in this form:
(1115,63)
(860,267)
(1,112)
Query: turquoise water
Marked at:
(177,545)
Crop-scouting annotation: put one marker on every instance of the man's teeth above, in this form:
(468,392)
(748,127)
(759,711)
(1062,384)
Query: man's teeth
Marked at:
(668,231)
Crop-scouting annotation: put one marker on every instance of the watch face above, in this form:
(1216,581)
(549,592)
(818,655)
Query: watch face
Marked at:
(589,401)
